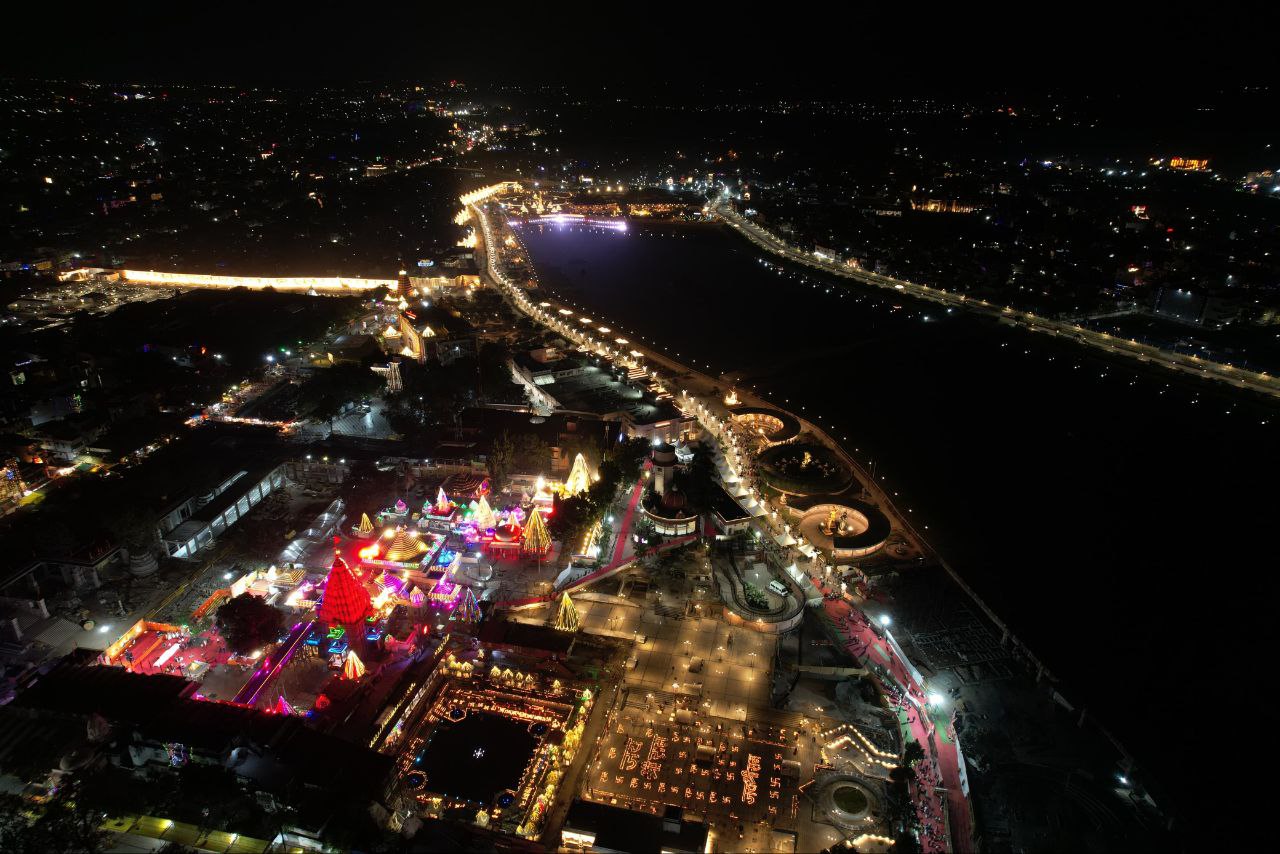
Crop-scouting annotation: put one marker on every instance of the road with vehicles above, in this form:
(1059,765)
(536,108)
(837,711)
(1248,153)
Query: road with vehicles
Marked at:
(1128,347)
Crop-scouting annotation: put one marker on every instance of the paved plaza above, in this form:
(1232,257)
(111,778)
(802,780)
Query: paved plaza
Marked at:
(725,669)
(727,771)
(598,614)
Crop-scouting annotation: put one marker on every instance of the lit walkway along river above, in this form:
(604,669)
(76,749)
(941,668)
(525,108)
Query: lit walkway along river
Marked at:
(1187,364)
(1093,501)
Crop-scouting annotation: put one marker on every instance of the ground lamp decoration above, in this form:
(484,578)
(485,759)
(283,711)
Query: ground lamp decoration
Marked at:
(353,667)
(567,615)
(535,540)
(579,480)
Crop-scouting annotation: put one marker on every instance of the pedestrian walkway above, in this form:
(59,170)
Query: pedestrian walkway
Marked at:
(942,808)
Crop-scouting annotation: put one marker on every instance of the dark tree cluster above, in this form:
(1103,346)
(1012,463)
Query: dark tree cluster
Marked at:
(248,623)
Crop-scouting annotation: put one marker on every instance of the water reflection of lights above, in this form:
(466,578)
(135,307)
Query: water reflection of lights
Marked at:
(562,219)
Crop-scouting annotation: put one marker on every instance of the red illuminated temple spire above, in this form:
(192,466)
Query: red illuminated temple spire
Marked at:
(345,599)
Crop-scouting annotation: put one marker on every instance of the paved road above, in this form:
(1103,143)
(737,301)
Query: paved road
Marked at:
(364,425)
(1187,364)
(607,696)
(940,767)
(271,666)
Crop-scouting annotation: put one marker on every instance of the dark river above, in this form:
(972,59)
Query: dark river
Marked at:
(1116,516)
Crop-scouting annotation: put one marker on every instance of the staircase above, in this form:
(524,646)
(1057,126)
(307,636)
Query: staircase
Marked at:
(669,611)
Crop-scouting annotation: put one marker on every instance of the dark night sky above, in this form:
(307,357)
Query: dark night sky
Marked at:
(852,53)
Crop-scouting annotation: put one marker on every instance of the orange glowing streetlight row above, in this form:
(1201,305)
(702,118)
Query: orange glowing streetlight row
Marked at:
(280,283)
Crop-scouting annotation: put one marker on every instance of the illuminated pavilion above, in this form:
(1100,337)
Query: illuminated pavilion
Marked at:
(405,547)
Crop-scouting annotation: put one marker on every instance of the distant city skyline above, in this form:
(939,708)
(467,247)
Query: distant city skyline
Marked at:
(820,53)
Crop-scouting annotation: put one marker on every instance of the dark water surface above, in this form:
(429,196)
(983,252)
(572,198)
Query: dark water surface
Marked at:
(478,757)
(1117,518)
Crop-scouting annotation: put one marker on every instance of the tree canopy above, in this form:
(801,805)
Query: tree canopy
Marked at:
(329,389)
(248,623)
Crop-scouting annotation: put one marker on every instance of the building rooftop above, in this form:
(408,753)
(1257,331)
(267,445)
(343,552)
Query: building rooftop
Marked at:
(162,708)
(724,505)
(624,830)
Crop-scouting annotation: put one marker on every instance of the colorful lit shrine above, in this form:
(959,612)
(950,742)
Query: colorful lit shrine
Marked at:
(468,610)
(439,515)
(506,537)
(402,549)
(483,518)
(413,568)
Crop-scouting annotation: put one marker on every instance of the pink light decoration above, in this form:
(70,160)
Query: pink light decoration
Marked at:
(445,593)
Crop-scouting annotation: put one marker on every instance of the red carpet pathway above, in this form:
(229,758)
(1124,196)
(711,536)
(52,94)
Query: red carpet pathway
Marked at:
(939,772)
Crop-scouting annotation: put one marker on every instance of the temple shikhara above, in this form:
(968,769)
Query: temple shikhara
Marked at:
(345,600)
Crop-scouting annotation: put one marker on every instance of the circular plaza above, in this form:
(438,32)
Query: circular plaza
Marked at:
(772,425)
(804,468)
(841,526)
(848,801)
